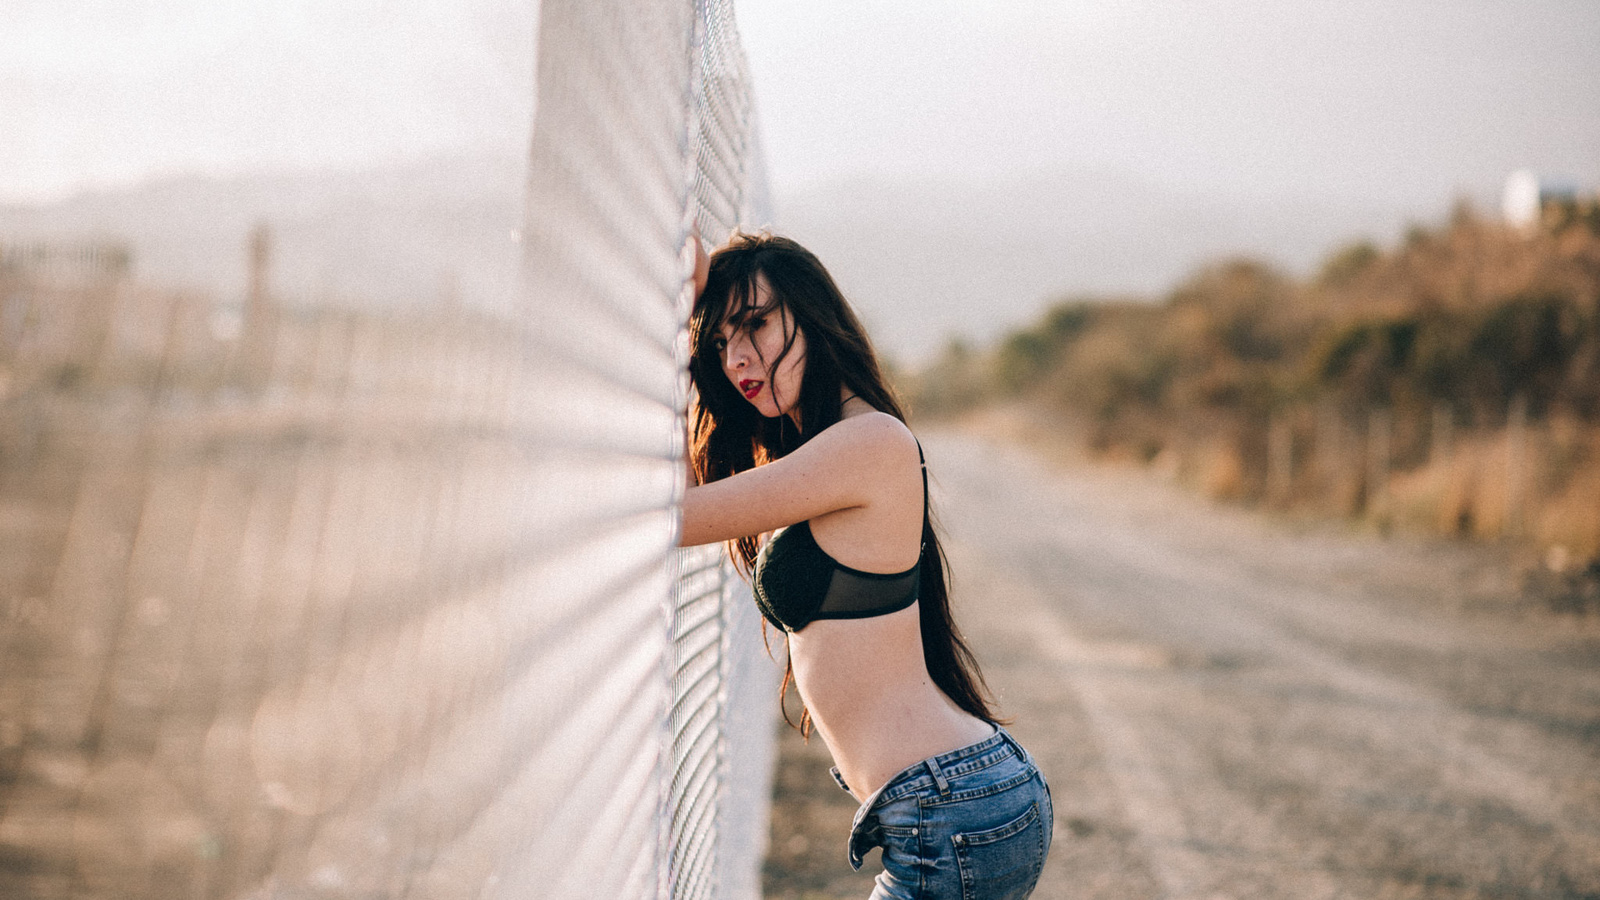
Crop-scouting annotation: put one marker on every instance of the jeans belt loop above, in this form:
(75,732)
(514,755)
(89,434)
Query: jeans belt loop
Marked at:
(938,777)
(1016,747)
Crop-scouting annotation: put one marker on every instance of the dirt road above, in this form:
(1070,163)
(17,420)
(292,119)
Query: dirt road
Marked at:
(1227,707)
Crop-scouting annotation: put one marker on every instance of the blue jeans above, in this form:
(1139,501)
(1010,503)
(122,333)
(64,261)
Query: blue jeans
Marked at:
(972,824)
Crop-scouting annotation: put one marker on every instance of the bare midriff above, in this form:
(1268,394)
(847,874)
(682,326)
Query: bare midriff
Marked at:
(871,699)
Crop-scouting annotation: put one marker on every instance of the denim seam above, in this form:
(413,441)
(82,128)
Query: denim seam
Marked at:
(1045,828)
(922,835)
(977,765)
(1000,787)
(923,780)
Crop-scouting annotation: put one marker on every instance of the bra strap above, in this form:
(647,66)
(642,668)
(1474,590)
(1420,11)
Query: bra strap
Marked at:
(924,461)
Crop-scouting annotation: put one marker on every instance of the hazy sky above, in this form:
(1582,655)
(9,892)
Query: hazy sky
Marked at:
(111,91)
(1358,96)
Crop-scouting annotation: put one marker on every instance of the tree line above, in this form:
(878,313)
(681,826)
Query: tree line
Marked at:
(1339,390)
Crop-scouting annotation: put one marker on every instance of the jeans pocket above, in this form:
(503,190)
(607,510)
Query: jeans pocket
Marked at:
(1003,862)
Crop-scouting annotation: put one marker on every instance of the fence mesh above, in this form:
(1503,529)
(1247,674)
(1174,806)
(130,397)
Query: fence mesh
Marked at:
(337,600)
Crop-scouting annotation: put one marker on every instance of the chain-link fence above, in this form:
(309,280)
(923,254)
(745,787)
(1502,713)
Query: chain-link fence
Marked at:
(325,599)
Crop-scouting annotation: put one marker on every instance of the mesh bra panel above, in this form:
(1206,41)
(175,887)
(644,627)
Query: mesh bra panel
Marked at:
(853,594)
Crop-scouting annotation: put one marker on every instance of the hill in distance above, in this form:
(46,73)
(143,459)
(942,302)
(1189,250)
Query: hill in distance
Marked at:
(924,260)
(444,228)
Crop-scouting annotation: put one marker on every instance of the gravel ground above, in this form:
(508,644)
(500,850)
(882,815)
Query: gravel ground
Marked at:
(1230,706)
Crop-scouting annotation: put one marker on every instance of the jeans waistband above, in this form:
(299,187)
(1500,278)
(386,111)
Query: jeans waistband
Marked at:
(934,765)
(935,771)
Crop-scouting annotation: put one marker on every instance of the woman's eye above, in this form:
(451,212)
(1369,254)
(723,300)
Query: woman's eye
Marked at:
(718,344)
(754,323)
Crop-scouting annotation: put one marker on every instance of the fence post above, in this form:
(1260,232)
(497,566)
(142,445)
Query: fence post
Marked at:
(1280,459)
(1516,453)
(1441,448)
(1378,425)
(1442,437)
(1328,449)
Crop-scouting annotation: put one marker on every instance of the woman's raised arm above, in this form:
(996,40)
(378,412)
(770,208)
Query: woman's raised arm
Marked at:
(843,467)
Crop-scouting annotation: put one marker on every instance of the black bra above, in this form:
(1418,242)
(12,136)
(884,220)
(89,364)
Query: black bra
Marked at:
(796,582)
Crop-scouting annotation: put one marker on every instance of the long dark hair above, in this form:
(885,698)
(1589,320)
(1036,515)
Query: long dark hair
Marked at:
(730,435)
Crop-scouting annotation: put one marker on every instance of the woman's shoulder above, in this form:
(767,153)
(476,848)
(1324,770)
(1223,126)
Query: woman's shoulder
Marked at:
(875,434)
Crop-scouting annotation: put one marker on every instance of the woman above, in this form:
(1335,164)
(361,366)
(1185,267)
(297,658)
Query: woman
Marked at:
(797,437)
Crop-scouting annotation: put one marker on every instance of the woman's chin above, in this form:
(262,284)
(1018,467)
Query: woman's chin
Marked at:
(767,410)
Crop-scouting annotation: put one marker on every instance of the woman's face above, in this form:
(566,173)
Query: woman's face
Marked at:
(751,342)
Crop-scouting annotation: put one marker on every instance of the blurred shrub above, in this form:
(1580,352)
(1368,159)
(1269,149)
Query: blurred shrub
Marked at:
(1026,356)
(1348,262)
(1470,314)
(955,381)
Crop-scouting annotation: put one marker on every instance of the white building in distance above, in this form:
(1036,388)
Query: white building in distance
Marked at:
(1527,193)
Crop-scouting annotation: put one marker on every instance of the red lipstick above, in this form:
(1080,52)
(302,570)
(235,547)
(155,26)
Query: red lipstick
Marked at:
(750,387)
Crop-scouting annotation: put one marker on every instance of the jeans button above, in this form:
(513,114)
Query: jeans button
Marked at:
(913,832)
(959,840)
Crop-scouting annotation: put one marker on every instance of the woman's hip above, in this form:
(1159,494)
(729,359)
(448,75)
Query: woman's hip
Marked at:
(974,824)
